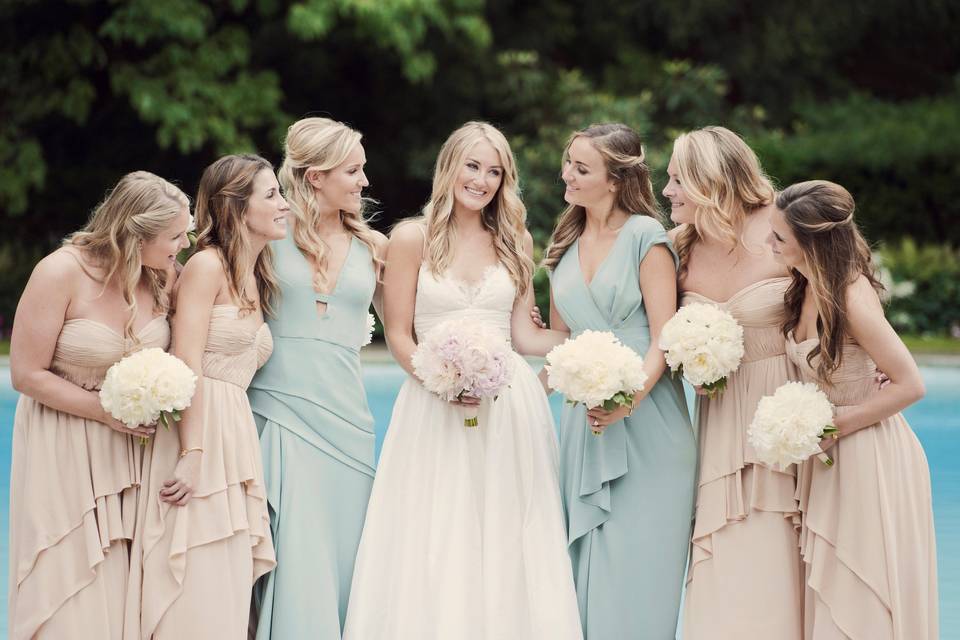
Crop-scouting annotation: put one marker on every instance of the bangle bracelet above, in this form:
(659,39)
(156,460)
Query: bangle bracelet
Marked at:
(184,452)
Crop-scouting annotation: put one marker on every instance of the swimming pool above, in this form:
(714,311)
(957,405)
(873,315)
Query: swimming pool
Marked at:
(936,420)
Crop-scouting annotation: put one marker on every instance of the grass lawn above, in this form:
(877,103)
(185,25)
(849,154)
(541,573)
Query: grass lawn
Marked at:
(932,344)
(4,347)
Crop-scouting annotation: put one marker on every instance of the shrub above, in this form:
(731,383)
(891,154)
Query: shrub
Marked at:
(923,283)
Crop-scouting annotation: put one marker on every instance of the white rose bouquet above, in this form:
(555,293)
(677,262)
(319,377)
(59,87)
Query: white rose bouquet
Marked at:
(595,368)
(704,344)
(371,324)
(147,387)
(789,425)
(461,357)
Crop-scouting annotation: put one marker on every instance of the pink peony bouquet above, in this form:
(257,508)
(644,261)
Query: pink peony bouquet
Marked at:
(460,358)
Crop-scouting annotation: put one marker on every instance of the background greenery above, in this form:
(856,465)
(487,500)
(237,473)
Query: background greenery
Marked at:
(866,94)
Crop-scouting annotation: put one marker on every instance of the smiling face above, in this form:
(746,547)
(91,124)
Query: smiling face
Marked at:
(266,214)
(682,210)
(586,176)
(786,249)
(161,252)
(480,176)
(341,188)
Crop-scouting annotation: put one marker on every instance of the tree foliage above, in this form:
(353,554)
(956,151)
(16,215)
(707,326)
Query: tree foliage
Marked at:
(864,94)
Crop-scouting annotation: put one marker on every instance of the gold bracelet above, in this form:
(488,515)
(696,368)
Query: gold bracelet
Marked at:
(184,452)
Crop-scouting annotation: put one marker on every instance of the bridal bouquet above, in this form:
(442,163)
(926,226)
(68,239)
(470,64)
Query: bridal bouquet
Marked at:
(788,425)
(704,344)
(595,368)
(147,387)
(461,357)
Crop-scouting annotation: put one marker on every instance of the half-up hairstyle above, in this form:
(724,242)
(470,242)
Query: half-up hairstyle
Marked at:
(505,217)
(324,144)
(625,161)
(722,178)
(222,200)
(835,254)
(140,207)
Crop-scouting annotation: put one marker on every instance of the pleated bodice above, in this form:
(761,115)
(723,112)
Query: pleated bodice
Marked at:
(854,382)
(758,308)
(236,347)
(87,348)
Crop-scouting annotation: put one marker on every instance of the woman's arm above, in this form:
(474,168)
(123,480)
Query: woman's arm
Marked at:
(404,255)
(869,327)
(380,241)
(36,328)
(658,286)
(197,290)
(528,338)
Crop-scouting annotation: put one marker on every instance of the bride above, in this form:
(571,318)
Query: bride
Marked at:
(464,535)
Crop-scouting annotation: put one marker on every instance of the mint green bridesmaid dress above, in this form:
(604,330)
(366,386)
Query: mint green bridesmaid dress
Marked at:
(628,493)
(317,437)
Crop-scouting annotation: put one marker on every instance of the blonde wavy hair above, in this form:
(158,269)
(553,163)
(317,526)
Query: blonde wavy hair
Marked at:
(623,155)
(821,216)
(505,217)
(140,207)
(222,199)
(723,179)
(324,144)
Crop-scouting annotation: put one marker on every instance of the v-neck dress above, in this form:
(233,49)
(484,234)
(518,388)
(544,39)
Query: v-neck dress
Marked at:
(628,493)
(316,432)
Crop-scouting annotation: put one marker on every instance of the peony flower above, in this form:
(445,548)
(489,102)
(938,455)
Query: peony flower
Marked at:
(595,368)
(788,425)
(461,357)
(704,344)
(146,387)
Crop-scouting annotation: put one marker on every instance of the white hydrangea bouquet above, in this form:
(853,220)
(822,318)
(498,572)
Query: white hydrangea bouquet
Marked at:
(704,344)
(147,387)
(789,425)
(595,368)
(461,357)
(371,325)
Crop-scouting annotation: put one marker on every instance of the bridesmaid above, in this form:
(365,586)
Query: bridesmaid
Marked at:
(867,537)
(628,492)
(315,427)
(744,578)
(203,531)
(75,469)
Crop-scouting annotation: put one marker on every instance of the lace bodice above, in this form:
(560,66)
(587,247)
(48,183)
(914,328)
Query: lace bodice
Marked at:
(441,298)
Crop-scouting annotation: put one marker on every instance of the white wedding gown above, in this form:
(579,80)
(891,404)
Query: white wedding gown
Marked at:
(464,537)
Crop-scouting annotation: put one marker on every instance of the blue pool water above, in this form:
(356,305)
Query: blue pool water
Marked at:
(936,420)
